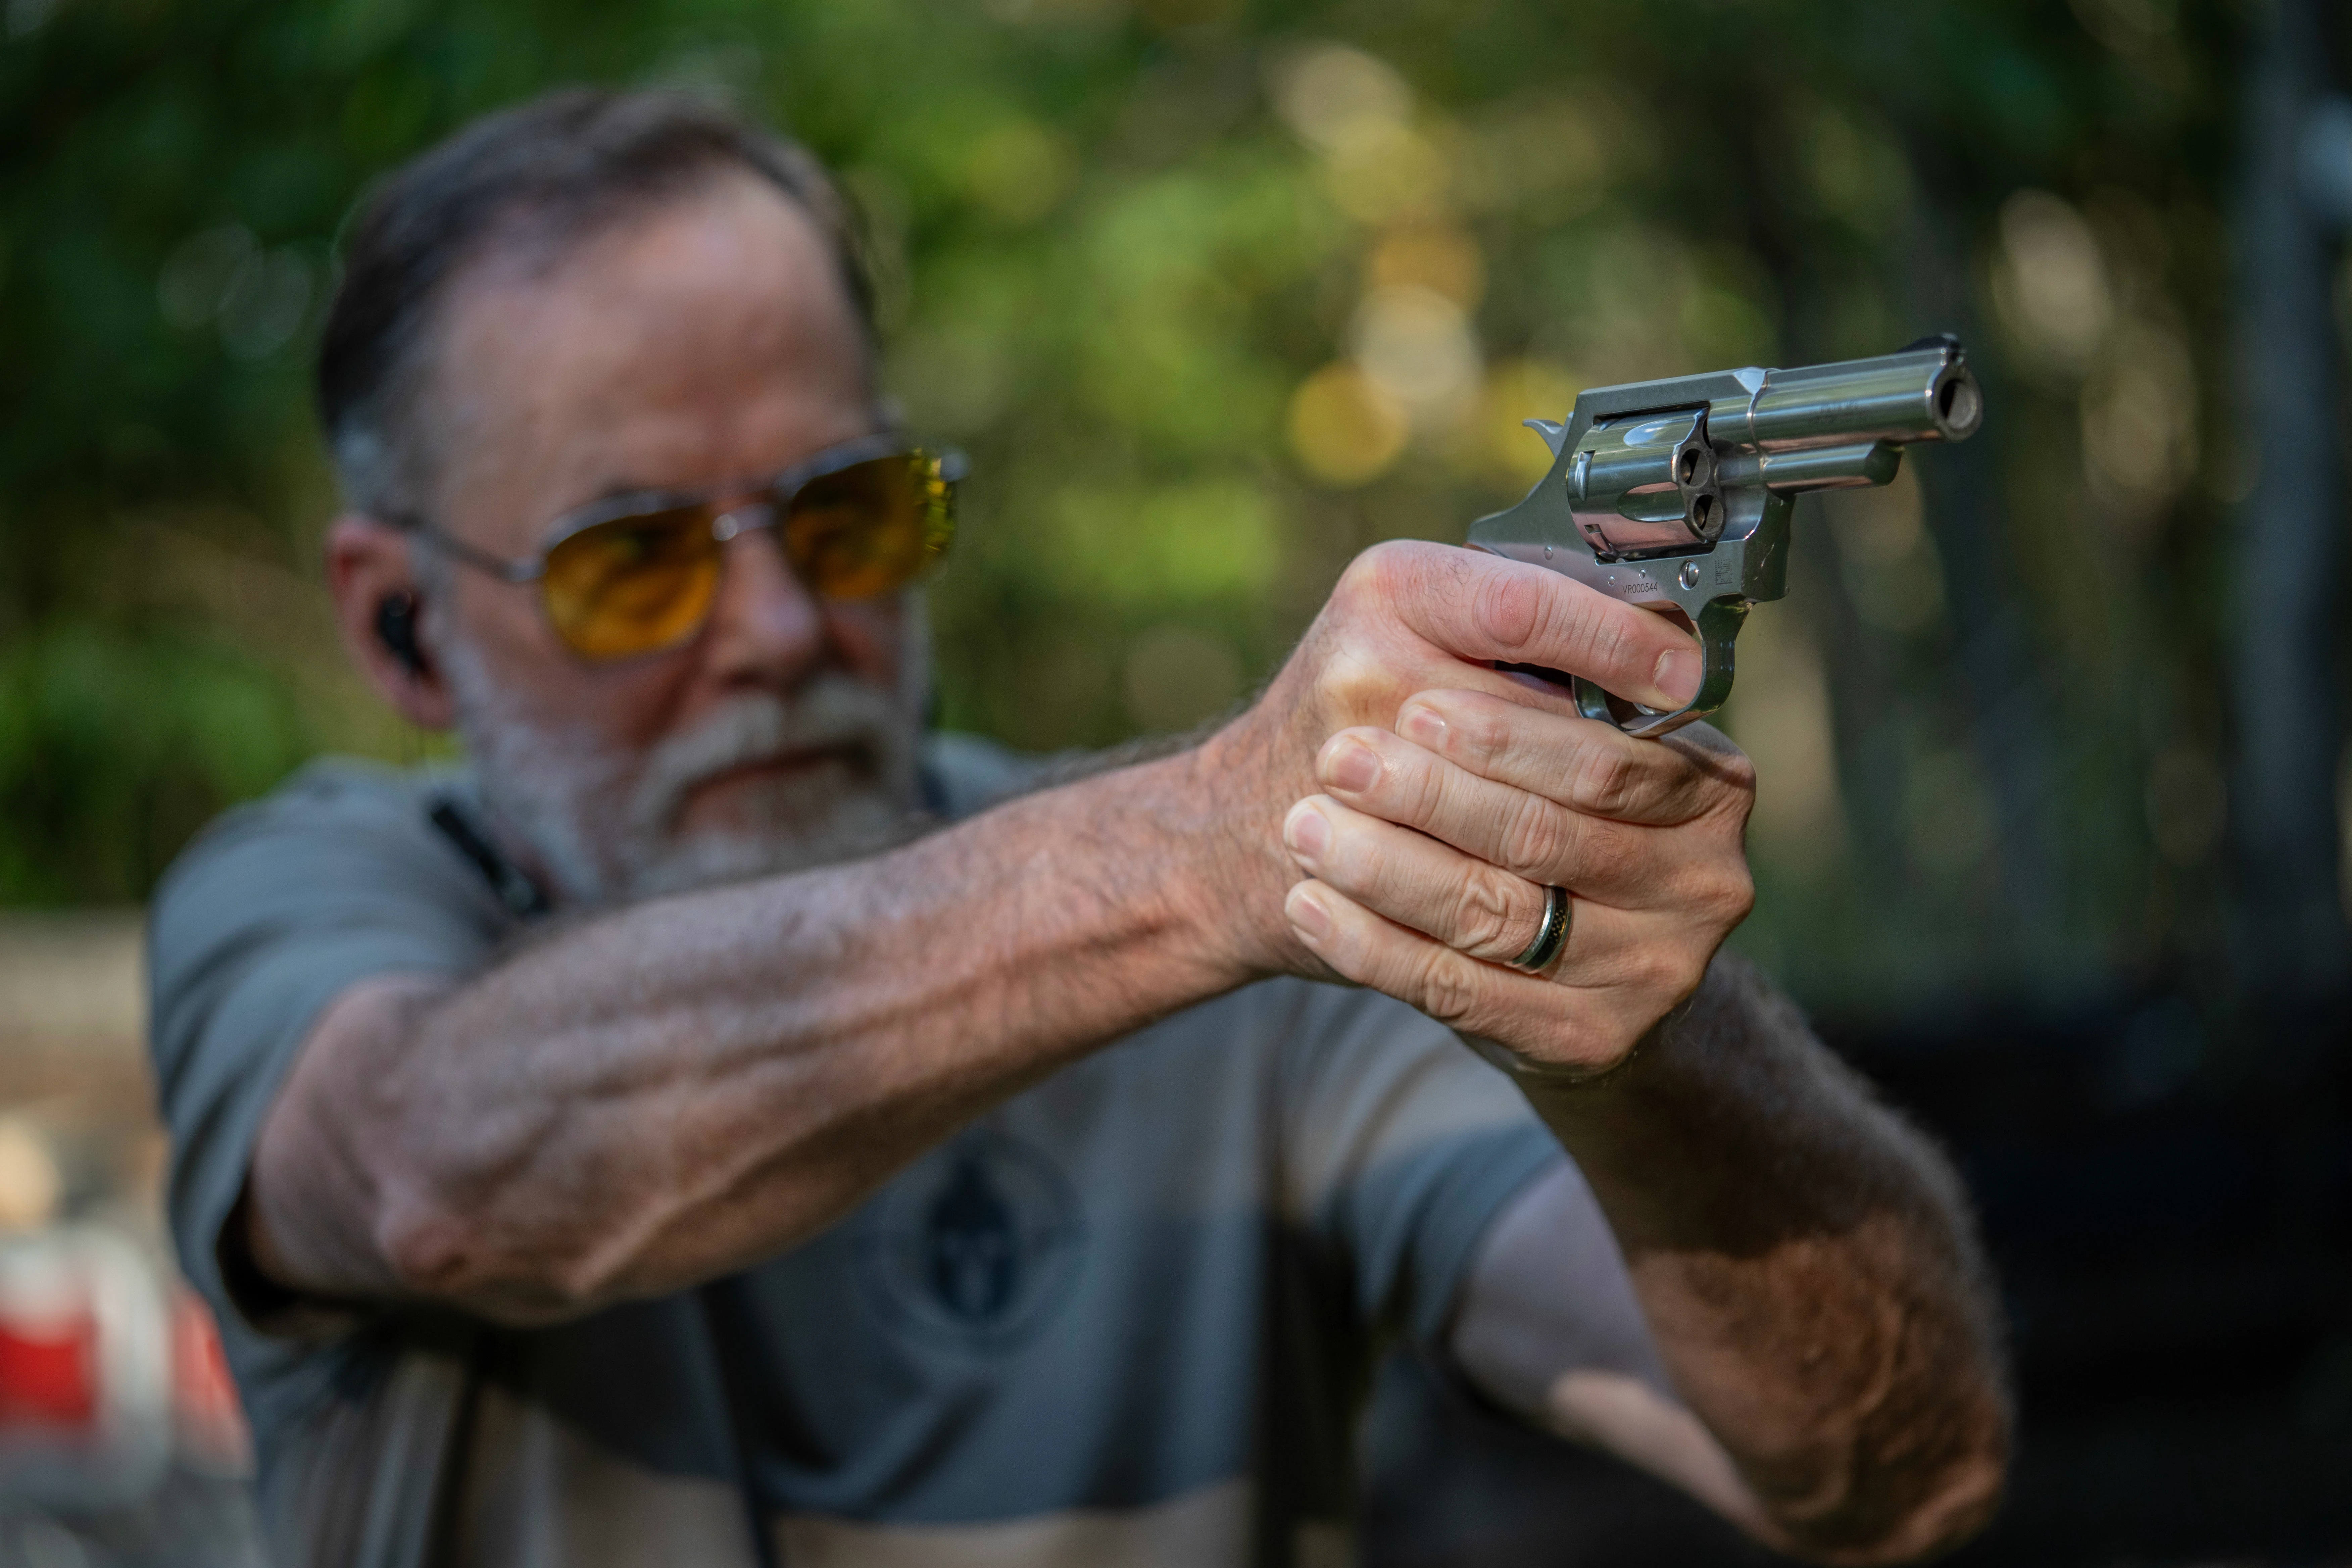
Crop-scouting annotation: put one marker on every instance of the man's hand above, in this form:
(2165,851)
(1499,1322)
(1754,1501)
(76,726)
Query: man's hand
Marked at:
(1407,618)
(1431,850)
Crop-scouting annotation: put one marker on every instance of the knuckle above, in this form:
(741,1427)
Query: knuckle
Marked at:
(1739,770)
(1482,913)
(1359,587)
(1733,895)
(1350,677)
(1535,836)
(1604,778)
(1735,776)
(1379,573)
(1709,756)
(1447,988)
(1481,733)
(1510,607)
(1663,969)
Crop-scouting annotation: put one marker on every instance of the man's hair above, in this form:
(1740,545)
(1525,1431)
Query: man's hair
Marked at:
(537,180)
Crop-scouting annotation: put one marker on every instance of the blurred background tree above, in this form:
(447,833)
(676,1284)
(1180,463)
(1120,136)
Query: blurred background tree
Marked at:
(1217,294)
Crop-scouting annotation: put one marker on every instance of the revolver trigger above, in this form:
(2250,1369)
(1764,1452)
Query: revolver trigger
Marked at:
(1552,434)
(1718,624)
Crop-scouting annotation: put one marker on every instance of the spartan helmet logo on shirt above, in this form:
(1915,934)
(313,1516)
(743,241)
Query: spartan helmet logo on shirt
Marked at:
(975,1252)
(975,1244)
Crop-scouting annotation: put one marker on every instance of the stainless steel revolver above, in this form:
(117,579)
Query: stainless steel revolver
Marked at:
(1675,495)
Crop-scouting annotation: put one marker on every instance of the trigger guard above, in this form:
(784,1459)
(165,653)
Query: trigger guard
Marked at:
(1643,723)
(1718,626)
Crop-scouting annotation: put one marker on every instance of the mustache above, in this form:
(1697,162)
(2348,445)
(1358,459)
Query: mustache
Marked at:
(833,713)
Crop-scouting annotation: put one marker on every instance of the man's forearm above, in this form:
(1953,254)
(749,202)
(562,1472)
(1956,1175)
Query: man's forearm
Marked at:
(664,1093)
(1808,1267)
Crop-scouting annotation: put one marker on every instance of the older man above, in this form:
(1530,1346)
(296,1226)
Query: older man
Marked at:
(706,1129)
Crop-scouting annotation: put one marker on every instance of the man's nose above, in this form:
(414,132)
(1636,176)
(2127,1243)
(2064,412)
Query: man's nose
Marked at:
(766,628)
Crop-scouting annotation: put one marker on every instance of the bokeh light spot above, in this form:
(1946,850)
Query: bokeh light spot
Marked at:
(1345,428)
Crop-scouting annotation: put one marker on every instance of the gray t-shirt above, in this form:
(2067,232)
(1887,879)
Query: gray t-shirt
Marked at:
(1124,1317)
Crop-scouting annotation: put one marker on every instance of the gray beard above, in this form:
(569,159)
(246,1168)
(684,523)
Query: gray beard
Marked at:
(609,829)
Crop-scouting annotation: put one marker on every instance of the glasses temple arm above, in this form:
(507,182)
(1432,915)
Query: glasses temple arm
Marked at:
(473,555)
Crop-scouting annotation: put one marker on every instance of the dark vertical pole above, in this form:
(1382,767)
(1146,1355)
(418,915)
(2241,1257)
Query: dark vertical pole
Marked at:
(2011,721)
(2293,948)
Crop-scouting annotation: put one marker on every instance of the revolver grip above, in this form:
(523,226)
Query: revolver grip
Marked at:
(1718,623)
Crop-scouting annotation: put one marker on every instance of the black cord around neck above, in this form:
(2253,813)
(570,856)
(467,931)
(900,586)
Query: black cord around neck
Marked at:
(721,1299)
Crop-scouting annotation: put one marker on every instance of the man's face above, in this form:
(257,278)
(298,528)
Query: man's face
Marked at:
(704,341)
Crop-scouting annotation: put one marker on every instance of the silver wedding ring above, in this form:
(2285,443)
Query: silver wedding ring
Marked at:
(1550,936)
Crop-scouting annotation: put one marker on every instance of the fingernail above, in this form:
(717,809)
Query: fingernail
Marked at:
(1423,727)
(1353,766)
(1307,831)
(1307,914)
(1678,674)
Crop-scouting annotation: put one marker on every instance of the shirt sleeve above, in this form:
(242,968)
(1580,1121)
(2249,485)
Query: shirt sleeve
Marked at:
(1400,1148)
(275,911)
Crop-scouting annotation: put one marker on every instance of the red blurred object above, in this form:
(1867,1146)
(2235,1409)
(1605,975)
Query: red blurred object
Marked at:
(48,1370)
(204,1397)
(85,1369)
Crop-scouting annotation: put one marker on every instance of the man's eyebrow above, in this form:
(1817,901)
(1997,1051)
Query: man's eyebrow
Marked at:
(613,488)
(616,489)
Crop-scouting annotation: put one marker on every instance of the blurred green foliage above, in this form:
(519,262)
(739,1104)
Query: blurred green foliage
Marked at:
(1218,293)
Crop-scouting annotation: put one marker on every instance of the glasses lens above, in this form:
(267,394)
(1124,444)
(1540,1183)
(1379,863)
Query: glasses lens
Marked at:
(871,527)
(635,585)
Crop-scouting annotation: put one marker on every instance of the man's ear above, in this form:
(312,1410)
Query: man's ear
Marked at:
(379,608)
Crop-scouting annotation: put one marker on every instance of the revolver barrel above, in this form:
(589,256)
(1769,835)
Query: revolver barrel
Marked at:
(1919,395)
